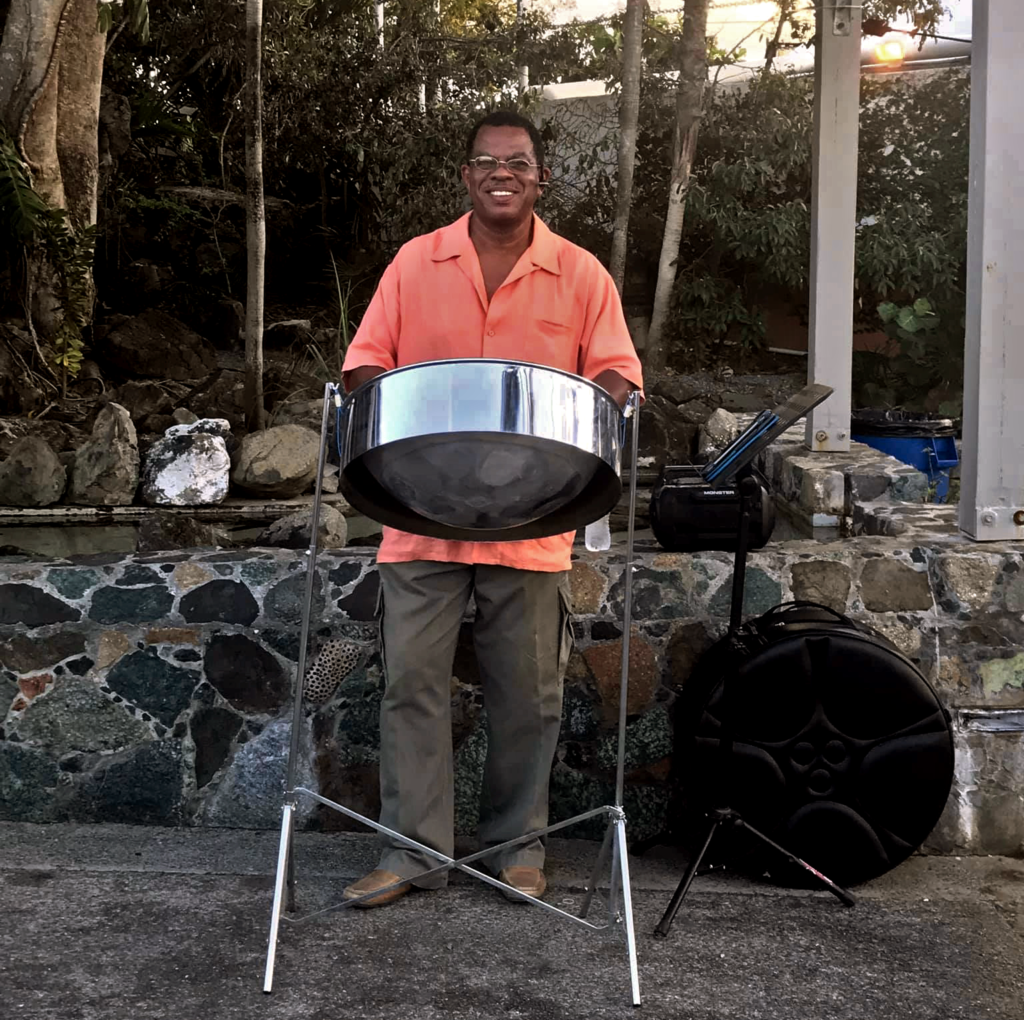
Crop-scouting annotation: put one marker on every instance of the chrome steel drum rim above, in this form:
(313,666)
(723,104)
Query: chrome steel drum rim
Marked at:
(481,449)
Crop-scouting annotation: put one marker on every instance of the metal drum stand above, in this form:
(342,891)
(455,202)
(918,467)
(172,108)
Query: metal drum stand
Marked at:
(615,835)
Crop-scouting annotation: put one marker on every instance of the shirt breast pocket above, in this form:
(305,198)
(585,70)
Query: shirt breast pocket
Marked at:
(558,342)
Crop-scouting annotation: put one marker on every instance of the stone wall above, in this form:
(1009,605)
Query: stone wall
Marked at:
(155,687)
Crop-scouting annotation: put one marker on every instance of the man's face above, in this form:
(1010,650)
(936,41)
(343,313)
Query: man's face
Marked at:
(500,196)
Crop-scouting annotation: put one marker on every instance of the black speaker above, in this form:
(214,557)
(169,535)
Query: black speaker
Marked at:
(689,514)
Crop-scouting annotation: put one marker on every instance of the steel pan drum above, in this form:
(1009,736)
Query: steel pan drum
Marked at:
(481,450)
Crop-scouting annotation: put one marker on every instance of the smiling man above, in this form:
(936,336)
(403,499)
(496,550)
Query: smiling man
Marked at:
(497,283)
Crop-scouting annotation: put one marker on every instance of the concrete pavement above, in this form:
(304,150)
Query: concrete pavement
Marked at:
(123,923)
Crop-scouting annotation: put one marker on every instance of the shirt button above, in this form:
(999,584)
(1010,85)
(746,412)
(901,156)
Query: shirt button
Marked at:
(490,332)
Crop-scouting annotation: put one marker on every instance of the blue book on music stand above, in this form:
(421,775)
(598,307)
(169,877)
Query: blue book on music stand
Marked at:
(762,432)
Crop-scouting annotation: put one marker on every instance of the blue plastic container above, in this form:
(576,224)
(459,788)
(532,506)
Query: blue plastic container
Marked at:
(923,441)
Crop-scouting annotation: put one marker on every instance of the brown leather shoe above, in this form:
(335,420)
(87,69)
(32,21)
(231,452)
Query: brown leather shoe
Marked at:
(527,880)
(378,879)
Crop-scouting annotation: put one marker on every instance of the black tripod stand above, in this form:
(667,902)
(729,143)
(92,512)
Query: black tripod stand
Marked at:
(724,814)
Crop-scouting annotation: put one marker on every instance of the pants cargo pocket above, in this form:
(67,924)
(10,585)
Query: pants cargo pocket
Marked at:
(378,615)
(566,641)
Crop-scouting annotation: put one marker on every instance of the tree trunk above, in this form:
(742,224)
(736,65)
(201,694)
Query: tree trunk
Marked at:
(28,107)
(256,227)
(629,117)
(80,79)
(772,49)
(51,70)
(693,76)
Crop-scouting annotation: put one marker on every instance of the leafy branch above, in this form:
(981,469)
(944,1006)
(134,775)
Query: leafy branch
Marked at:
(28,220)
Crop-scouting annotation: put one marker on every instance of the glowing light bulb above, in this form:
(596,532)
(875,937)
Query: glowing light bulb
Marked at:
(890,52)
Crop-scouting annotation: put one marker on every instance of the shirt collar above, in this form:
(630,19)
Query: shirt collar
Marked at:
(453,242)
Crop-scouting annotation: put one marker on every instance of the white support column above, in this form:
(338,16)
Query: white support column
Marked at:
(992,471)
(833,219)
(524,70)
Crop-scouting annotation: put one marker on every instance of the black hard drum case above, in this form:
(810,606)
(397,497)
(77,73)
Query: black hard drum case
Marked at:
(843,753)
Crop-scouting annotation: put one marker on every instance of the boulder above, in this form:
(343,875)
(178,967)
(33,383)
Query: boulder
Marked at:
(676,389)
(167,531)
(186,470)
(694,412)
(142,398)
(143,283)
(292,531)
(207,426)
(717,433)
(32,475)
(106,470)
(153,344)
(183,416)
(219,427)
(18,392)
(222,396)
(284,334)
(301,412)
(742,402)
(280,462)
(155,423)
(663,436)
(332,478)
(61,436)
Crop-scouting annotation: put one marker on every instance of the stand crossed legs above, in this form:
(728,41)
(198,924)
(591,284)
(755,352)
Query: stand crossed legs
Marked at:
(725,814)
(615,834)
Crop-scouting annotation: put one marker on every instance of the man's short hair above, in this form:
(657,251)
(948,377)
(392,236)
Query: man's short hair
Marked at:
(507,118)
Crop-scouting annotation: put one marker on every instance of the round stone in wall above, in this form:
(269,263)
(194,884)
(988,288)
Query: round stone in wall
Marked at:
(245,673)
(219,602)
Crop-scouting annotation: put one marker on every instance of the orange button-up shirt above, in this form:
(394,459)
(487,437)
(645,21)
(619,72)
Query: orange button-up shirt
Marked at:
(558,307)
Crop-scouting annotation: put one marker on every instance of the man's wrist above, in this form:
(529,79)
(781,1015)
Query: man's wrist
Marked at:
(617,386)
(364,373)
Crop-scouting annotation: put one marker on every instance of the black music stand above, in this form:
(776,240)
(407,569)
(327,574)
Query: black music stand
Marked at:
(724,813)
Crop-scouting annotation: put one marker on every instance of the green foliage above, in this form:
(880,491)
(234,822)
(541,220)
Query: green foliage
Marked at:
(135,13)
(925,14)
(30,220)
(364,170)
(71,254)
(746,243)
(23,212)
(922,367)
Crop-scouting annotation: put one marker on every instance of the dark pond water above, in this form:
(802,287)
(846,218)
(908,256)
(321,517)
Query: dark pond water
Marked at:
(60,540)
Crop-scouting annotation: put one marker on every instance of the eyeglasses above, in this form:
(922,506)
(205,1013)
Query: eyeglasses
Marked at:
(488,164)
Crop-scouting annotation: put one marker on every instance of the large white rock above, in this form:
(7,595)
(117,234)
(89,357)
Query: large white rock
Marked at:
(186,470)
(211,426)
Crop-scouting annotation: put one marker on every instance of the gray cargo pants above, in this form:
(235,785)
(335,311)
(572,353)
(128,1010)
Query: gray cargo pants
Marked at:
(522,639)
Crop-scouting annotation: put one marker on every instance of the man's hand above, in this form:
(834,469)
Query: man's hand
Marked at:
(618,386)
(360,375)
